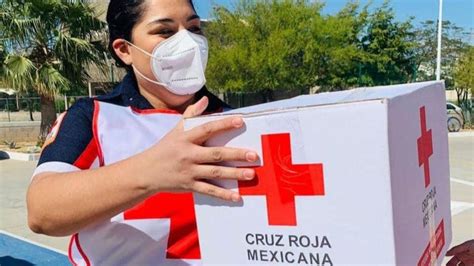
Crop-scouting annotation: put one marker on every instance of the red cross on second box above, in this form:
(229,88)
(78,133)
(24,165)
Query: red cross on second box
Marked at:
(353,177)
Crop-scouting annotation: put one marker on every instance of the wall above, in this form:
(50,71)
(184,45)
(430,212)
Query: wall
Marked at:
(19,131)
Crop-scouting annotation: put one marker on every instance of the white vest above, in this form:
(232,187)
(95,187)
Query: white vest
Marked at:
(141,235)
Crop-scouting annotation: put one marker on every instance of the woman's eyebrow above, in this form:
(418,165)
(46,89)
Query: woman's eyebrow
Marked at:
(193,17)
(169,20)
(161,21)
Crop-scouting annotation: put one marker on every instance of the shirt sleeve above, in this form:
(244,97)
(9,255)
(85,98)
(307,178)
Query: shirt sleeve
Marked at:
(70,145)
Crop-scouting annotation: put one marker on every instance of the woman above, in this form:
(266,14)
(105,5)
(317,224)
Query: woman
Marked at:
(107,170)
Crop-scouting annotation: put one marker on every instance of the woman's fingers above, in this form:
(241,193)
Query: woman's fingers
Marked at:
(453,262)
(221,154)
(215,191)
(193,110)
(203,132)
(466,259)
(196,109)
(467,246)
(221,172)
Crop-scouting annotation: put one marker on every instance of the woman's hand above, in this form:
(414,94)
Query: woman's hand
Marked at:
(463,254)
(179,162)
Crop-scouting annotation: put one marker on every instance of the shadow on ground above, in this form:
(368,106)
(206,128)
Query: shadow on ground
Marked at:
(10,261)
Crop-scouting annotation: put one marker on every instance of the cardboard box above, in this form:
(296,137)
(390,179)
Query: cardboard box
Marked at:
(353,177)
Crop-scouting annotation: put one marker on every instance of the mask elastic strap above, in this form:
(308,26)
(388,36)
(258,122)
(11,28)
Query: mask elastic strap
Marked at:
(138,71)
(140,49)
(157,83)
(146,78)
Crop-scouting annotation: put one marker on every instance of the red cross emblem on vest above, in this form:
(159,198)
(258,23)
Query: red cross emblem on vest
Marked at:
(279,180)
(425,147)
(183,242)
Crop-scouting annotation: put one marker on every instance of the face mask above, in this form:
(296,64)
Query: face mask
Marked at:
(178,63)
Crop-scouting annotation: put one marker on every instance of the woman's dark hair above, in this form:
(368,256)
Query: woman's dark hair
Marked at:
(122,15)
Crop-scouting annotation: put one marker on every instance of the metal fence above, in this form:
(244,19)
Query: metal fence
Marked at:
(21,109)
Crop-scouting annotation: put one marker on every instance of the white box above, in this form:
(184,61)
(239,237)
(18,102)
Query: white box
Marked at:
(353,177)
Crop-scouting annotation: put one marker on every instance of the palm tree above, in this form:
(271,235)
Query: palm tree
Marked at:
(47,46)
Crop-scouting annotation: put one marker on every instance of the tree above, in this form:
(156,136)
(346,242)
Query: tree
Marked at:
(454,42)
(47,47)
(356,47)
(261,47)
(388,47)
(463,75)
(335,48)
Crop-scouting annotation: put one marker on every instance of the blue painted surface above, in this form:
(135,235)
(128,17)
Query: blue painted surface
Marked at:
(16,252)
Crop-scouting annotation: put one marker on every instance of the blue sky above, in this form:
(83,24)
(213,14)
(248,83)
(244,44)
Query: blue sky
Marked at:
(461,12)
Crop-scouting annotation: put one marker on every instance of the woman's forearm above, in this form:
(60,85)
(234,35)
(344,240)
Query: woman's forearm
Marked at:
(61,204)
(64,203)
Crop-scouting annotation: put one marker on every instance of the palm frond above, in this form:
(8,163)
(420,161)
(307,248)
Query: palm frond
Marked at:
(17,24)
(57,40)
(50,81)
(19,72)
(65,46)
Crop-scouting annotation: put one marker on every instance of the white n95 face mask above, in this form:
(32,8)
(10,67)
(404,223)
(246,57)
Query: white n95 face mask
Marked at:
(178,63)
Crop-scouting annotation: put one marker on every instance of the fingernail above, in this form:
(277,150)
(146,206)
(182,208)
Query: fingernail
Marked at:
(238,122)
(203,99)
(235,197)
(203,104)
(249,174)
(251,156)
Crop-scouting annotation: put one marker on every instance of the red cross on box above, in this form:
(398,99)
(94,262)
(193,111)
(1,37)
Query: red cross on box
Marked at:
(280,180)
(183,242)
(425,147)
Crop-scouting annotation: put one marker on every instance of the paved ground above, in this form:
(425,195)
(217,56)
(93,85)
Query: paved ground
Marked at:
(14,179)
(461,153)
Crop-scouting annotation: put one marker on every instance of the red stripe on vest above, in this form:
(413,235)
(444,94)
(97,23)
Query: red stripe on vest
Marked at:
(87,157)
(71,259)
(95,132)
(81,251)
(153,111)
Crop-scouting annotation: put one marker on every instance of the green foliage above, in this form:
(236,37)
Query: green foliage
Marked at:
(389,51)
(335,50)
(463,75)
(261,46)
(45,45)
(289,44)
(19,70)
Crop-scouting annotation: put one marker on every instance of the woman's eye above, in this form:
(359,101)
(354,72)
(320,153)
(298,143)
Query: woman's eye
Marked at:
(165,33)
(196,30)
